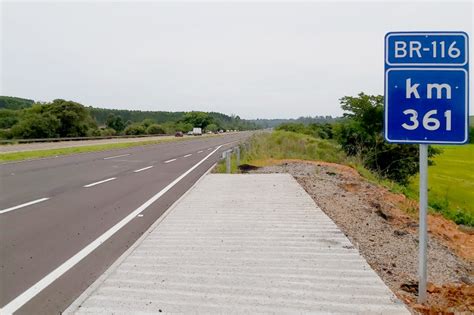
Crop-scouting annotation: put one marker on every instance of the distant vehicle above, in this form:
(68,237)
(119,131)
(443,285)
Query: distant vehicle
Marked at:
(221,131)
(190,133)
(178,134)
(197,131)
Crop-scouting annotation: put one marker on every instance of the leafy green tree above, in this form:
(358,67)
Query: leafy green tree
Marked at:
(155,129)
(8,118)
(148,122)
(35,125)
(184,127)
(74,118)
(361,134)
(212,127)
(198,119)
(115,122)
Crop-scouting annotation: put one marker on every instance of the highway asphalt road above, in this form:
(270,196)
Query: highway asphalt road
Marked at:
(65,220)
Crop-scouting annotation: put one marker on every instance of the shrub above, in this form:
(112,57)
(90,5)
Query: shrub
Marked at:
(93,132)
(135,130)
(5,134)
(155,129)
(148,122)
(106,132)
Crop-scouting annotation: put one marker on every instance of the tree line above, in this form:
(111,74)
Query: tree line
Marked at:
(26,119)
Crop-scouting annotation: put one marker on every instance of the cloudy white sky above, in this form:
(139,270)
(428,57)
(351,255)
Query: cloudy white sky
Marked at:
(266,60)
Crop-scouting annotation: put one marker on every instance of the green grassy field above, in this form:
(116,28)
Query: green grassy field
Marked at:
(451,183)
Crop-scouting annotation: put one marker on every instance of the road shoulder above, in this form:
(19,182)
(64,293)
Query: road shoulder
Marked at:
(241,249)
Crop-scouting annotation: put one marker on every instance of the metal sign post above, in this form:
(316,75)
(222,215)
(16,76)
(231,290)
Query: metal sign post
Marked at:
(423,228)
(426,102)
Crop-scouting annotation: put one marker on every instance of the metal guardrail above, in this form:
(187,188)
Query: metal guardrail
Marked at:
(227,156)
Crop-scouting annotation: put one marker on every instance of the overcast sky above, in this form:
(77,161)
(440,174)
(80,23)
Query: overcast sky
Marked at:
(265,60)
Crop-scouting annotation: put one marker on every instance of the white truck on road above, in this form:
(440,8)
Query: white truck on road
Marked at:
(197,131)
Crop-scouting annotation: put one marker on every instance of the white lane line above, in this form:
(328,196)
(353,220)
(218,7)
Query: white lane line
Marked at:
(39,286)
(187,155)
(169,161)
(100,182)
(200,151)
(117,156)
(23,205)
(209,149)
(143,169)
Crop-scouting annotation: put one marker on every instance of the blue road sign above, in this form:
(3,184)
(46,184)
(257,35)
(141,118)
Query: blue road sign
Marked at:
(426,87)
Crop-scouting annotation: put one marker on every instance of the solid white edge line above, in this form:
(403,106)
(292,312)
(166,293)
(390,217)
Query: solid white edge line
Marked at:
(87,292)
(172,160)
(100,182)
(116,156)
(187,155)
(23,205)
(39,286)
(143,169)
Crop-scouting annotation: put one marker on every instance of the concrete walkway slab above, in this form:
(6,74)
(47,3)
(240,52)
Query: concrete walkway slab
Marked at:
(242,244)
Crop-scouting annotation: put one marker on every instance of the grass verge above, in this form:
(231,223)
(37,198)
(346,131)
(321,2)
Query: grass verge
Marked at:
(291,145)
(280,145)
(27,155)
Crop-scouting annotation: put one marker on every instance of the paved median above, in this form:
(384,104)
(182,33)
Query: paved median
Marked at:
(241,243)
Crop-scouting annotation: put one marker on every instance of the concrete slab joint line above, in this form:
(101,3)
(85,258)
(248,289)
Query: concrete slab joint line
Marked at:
(241,250)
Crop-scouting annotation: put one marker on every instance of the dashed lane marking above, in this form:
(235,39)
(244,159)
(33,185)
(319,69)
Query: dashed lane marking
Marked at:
(116,156)
(100,182)
(23,205)
(143,169)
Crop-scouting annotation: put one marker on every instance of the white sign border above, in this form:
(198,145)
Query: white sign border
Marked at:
(466,57)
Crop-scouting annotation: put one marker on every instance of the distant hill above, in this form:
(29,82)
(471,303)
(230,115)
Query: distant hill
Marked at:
(10,102)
